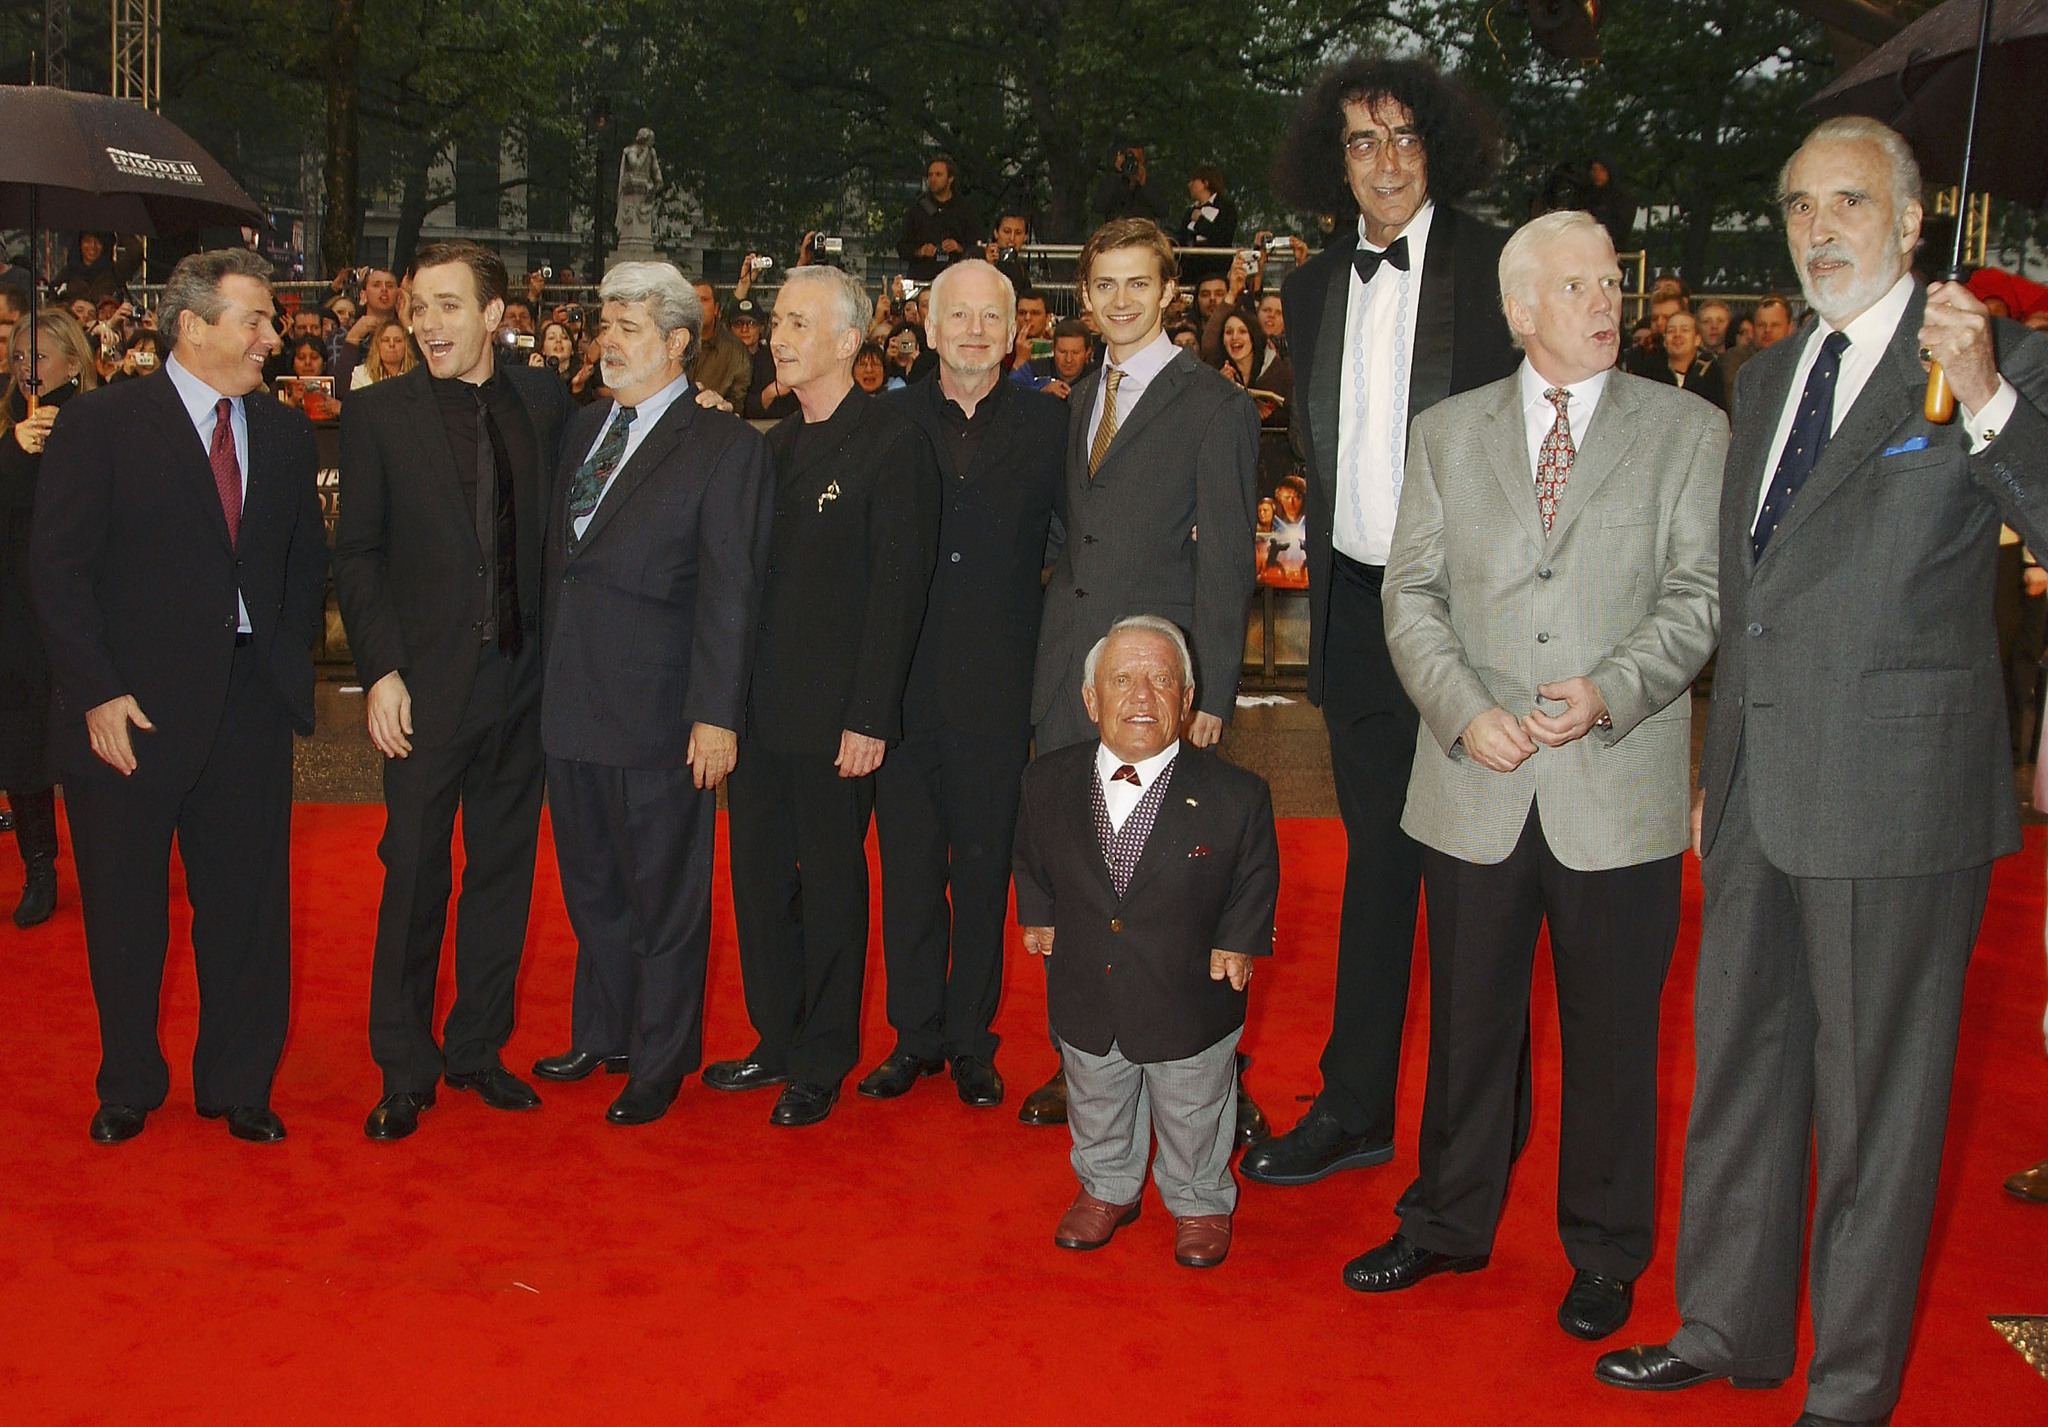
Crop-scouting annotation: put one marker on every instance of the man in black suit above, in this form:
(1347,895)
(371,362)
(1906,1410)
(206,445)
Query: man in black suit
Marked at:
(946,796)
(1685,366)
(445,480)
(1398,313)
(178,565)
(1155,861)
(856,524)
(656,549)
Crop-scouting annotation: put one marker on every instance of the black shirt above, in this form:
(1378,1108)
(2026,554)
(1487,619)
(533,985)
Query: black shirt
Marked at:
(457,400)
(512,595)
(964,432)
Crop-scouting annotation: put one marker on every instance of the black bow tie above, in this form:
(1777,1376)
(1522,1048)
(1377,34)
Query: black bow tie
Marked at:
(1368,262)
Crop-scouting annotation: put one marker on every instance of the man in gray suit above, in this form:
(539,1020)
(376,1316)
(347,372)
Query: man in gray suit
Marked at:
(1858,784)
(1550,595)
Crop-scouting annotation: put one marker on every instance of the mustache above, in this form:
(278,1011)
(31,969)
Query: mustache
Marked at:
(1829,250)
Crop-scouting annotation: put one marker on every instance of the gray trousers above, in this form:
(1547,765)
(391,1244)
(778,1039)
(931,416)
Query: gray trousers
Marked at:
(1191,1105)
(1823,1007)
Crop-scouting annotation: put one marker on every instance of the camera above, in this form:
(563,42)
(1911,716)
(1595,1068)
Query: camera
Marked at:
(521,341)
(760,263)
(1252,258)
(547,272)
(1126,162)
(911,289)
(1006,255)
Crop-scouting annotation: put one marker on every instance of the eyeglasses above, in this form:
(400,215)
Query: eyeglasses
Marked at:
(1407,146)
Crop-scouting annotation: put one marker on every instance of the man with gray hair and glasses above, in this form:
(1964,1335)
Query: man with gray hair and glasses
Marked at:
(1858,786)
(855,530)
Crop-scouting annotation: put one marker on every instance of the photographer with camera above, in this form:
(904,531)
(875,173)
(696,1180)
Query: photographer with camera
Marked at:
(1005,250)
(939,228)
(1126,192)
(1211,222)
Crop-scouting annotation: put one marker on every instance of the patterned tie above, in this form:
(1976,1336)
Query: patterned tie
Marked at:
(1554,459)
(227,471)
(1106,432)
(1125,773)
(598,468)
(1811,428)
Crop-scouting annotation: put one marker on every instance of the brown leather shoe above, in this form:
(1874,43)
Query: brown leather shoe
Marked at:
(1089,1222)
(2030,1184)
(1047,1105)
(1201,1240)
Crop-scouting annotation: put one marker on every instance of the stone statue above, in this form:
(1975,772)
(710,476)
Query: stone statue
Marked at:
(639,181)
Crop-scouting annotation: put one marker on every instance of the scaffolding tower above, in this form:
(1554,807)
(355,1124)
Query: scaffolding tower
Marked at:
(138,52)
(56,40)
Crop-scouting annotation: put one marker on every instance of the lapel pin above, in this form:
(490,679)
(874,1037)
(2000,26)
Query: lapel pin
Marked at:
(831,493)
(1193,804)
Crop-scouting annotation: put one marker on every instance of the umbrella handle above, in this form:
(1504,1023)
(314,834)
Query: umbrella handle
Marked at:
(30,394)
(1940,404)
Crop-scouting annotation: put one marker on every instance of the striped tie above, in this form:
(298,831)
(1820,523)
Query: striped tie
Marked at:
(1106,432)
(597,468)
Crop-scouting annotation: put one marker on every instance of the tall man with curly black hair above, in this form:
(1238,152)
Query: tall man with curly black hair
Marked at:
(1400,311)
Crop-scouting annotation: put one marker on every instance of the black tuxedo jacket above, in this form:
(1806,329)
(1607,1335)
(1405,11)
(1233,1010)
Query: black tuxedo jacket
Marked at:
(650,616)
(134,579)
(1134,971)
(972,669)
(856,528)
(408,571)
(1461,342)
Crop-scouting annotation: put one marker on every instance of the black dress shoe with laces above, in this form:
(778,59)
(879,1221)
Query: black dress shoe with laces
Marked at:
(803,1104)
(743,1074)
(112,1124)
(642,1102)
(1653,1367)
(397,1114)
(577,1064)
(1595,1306)
(1315,1147)
(254,1123)
(1251,1120)
(896,1075)
(1047,1105)
(977,1081)
(497,1087)
(1400,1263)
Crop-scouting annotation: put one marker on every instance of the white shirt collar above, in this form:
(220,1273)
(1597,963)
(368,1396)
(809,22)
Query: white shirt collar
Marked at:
(1417,234)
(199,398)
(1585,395)
(1106,763)
(1872,329)
(655,407)
(1149,360)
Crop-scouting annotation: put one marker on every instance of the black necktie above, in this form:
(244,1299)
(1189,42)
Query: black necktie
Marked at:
(1811,427)
(1368,262)
(497,528)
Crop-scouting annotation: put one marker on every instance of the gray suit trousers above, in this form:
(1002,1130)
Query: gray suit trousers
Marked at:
(1827,1006)
(1190,1104)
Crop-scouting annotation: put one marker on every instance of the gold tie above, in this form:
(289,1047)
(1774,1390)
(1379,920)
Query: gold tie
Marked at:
(1106,432)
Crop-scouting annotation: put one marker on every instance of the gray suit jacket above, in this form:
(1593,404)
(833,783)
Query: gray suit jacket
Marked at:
(1164,527)
(1860,681)
(1482,606)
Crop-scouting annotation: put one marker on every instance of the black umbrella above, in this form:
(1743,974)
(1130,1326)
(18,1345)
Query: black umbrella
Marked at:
(89,161)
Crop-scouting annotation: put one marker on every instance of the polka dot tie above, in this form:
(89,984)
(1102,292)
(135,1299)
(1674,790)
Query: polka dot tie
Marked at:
(1811,427)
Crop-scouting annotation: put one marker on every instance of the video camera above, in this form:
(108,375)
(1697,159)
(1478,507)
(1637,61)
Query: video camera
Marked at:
(825,251)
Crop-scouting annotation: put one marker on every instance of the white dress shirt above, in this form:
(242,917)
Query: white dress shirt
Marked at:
(202,406)
(1138,371)
(645,417)
(1120,796)
(1538,415)
(1372,407)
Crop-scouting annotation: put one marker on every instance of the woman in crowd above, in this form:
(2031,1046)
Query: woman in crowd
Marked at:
(1249,359)
(64,367)
(557,350)
(906,355)
(869,371)
(142,355)
(390,353)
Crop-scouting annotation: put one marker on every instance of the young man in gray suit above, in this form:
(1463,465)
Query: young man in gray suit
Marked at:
(1550,595)
(1858,785)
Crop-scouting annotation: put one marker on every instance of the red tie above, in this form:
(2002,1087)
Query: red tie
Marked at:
(1125,773)
(227,472)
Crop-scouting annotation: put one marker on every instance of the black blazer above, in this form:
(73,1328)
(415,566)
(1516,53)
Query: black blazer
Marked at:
(972,669)
(651,615)
(408,571)
(134,580)
(856,531)
(1461,342)
(1704,380)
(1134,971)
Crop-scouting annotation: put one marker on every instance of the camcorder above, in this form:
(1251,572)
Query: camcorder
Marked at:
(1127,162)
(827,252)
(547,272)
(521,341)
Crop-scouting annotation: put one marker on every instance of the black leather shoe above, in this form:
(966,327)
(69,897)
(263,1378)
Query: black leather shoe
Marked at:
(896,1075)
(642,1102)
(1047,1105)
(1313,1148)
(254,1123)
(744,1074)
(112,1124)
(497,1087)
(1251,1120)
(1399,1264)
(1653,1367)
(38,894)
(398,1114)
(576,1064)
(977,1081)
(1595,1306)
(803,1104)
(1814,1419)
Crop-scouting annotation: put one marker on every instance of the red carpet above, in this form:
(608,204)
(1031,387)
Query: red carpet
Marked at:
(894,1264)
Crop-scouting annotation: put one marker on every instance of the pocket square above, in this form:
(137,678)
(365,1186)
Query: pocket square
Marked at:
(1917,443)
(1198,851)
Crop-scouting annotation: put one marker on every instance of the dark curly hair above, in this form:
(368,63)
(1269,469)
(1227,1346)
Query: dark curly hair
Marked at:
(1458,135)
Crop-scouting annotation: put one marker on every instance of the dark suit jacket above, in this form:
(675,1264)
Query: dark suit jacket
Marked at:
(1859,678)
(1134,971)
(972,669)
(1461,342)
(134,579)
(408,570)
(651,614)
(1704,380)
(856,528)
(1163,527)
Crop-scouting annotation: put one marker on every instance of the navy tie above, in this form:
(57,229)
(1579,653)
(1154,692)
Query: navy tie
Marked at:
(1811,428)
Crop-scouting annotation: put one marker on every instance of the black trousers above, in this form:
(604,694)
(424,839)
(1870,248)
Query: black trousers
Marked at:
(35,823)
(800,907)
(232,822)
(634,846)
(1611,935)
(945,817)
(491,771)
